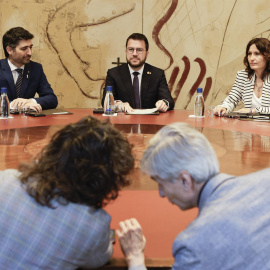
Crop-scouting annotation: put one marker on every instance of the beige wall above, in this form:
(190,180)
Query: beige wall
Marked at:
(77,41)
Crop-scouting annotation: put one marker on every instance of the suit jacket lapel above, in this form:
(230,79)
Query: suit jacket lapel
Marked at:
(146,77)
(26,75)
(265,95)
(126,78)
(249,92)
(8,75)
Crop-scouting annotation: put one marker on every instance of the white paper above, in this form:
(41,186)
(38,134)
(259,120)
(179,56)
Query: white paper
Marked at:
(143,111)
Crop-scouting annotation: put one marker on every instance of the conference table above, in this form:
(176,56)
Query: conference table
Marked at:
(242,147)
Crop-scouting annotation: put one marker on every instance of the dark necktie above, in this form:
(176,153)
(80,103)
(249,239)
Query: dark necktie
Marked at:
(136,90)
(18,85)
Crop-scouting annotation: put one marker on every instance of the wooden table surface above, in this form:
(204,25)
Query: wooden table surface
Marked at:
(242,147)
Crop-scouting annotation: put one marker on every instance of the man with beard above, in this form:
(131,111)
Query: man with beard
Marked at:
(138,84)
(22,77)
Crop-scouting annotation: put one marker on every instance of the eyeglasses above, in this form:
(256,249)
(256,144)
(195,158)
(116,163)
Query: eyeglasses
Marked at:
(138,50)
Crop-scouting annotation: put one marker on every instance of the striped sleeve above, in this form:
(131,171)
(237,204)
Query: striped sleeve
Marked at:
(243,89)
(236,94)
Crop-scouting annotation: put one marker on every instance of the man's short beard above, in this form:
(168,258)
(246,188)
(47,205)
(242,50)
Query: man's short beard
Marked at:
(26,60)
(136,66)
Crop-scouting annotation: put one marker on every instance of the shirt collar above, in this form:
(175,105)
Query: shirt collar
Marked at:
(140,70)
(13,67)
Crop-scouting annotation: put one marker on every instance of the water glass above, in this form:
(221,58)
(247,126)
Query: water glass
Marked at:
(210,111)
(118,107)
(24,111)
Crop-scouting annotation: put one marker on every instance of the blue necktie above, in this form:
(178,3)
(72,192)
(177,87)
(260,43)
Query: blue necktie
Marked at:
(18,84)
(136,90)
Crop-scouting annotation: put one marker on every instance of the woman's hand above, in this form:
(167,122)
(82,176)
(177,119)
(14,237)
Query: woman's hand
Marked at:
(219,110)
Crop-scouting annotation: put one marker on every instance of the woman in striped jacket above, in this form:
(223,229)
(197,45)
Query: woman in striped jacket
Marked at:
(252,85)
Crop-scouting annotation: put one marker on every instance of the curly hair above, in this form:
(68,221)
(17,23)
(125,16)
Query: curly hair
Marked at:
(84,163)
(263,45)
(13,36)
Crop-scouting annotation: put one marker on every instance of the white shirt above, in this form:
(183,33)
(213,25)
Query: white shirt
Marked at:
(13,68)
(256,102)
(140,79)
(15,75)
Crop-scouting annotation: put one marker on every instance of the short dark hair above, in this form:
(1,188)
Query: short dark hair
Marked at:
(13,36)
(139,36)
(85,163)
(263,45)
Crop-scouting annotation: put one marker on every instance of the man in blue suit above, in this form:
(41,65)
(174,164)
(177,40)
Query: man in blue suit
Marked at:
(232,230)
(23,77)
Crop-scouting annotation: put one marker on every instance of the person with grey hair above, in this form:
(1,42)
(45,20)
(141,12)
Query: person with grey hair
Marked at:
(233,225)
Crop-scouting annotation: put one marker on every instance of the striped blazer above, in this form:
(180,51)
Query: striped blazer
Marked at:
(243,90)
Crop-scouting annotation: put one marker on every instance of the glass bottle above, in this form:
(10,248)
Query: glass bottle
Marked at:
(109,101)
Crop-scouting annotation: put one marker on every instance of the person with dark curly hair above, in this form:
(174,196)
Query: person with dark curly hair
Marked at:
(252,85)
(51,209)
(22,77)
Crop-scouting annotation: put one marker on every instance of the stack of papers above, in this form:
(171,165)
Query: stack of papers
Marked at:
(143,111)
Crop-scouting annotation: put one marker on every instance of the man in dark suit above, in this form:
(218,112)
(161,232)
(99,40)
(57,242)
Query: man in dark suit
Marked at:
(147,88)
(23,77)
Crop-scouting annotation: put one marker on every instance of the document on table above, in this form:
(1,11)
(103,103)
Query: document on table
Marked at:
(144,111)
(56,112)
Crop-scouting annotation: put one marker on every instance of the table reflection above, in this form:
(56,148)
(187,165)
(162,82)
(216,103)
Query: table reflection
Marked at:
(238,152)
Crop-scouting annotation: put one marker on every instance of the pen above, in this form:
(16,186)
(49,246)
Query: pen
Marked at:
(60,113)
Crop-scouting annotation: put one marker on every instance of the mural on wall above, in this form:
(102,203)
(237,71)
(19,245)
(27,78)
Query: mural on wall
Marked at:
(177,90)
(199,43)
(74,58)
